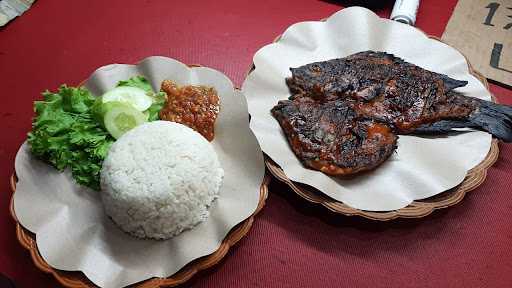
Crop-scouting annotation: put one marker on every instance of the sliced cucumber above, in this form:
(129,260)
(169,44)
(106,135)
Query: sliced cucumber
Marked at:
(121,117)
(131,95)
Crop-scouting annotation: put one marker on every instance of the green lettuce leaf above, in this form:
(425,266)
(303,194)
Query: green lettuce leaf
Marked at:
(158,103)
(137,81)
(68,130)
(65,134)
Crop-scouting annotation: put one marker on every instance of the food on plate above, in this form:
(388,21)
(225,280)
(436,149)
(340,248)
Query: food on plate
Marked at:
(74,129)
(330,137)
(194,106)
(386,88)
(121,117)
(157,98)
(159,179)
(66,134)
(131,95)
(131,103)
(330,118)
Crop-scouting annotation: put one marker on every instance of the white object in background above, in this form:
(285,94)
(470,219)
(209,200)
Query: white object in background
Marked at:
(405,11)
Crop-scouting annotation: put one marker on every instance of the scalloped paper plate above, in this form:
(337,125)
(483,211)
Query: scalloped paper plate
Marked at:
(422,167)
(74,234)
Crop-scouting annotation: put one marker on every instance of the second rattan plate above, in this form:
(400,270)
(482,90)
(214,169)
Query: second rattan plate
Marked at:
(419,208)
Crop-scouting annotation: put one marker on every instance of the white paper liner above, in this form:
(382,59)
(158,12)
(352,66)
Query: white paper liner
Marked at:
(422,167)
(72,230)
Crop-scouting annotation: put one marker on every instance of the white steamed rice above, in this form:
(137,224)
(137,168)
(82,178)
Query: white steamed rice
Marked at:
(159,179)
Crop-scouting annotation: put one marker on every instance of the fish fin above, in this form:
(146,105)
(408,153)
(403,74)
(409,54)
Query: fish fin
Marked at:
(443,126)
(450,83)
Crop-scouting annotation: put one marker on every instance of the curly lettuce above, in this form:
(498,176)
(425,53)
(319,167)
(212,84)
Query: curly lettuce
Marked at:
(68,133)
(65,134)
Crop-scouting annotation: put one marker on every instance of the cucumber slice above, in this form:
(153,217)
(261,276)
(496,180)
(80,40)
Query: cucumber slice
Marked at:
(121,117)
(131,95)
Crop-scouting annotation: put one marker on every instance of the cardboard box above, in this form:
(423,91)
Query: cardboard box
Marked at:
(482,31)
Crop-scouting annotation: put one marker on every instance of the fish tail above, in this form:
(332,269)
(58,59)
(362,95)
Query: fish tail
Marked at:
(488,116)
(493,118)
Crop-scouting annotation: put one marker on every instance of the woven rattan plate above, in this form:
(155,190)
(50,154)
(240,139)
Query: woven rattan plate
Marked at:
(417,209)
(75,279)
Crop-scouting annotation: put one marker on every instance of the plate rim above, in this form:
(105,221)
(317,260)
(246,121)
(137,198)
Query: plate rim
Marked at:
(416,209)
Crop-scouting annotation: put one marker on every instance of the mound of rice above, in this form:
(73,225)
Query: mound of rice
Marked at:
(159,179)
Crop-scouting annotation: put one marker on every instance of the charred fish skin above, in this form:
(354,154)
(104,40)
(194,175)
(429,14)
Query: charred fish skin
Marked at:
(330,137)
(364,76)
(344,115)
(490,117)
(406,114)
(380,85)
(390,90)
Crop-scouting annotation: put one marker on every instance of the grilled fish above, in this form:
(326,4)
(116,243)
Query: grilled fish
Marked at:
(379,90)
(330,137)
(382,86)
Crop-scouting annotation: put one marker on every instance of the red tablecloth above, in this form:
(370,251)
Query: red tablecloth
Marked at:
(292,243)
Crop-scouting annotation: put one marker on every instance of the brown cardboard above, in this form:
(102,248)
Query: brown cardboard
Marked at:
(482,30)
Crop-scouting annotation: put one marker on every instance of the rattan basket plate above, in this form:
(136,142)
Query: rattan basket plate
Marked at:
(417,209)
(75,279)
